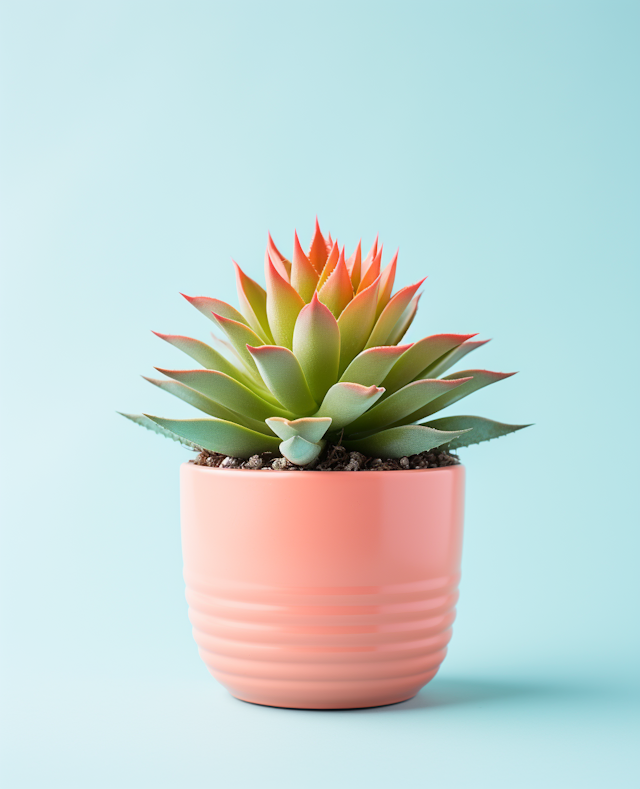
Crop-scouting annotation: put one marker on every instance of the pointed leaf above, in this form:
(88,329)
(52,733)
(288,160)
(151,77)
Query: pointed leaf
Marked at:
(356,322)
(370,257)
(481,429)
(204,355)
(398,442)
(345,402)
(206,404)
(217,435)
(402,326)
(372,272)
(278,259)
(337,292)
(281,372)
(329,266)
(300,451)
(227,391)
(283,306)
(405,401)
(480,379)
(418,358)
(248,375)
(225,349)
(316,344)
(446,362)
(318,250)
(354,267)
(370,367)
(223,346)
(144,421)
(304,277)
(253,304)
(387,278)
(391,314)
(240,336)
(284,273)
(310,428)
(208,306)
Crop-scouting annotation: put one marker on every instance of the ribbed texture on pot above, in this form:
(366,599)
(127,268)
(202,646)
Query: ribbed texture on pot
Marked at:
(322,590)
(367,646)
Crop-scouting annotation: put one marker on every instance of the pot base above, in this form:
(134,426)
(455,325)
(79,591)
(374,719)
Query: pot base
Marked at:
(360,707)
(331,696)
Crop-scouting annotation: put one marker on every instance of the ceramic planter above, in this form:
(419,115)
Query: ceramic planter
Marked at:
(322,590)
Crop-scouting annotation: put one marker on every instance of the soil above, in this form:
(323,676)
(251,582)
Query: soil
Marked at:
(333,458)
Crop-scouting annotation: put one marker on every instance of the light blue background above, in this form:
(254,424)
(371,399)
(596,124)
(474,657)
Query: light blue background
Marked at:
(144,145)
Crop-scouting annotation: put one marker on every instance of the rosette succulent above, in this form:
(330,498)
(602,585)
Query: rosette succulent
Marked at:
(317,357)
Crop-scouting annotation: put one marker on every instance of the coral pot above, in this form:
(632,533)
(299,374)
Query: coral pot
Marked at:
(322,590)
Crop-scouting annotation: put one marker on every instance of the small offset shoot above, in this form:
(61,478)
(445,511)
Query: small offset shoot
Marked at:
(315,361)
(302,439)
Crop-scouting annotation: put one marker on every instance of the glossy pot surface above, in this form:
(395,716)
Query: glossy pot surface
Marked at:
(322,590)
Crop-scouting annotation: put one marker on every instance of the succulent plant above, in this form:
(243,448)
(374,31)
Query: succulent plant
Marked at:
(317,357)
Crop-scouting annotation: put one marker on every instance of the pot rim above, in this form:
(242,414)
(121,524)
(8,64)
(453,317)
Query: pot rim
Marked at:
(288,473)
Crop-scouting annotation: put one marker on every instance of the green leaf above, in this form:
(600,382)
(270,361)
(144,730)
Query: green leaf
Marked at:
(250,377)
(446,362)
(371,267)
(279,260)
(281,372)
(403,325)
(240,336)
(304,277)
(300,451)
(337,291)
(310,428)
(205,355)
(216,435)
(224,347)
(405,401)
(253,303)
(418,357)
(316,345)
(144,421)
(480,379)
(329,266)
(318,251)
(227,391)
(391,314)
(370,256)
(206,404)
(354,267)
(208,306)
(481,429)
(355,323)
(370,367)
(345,402)
(387,278)
(397,442)
(283,306)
